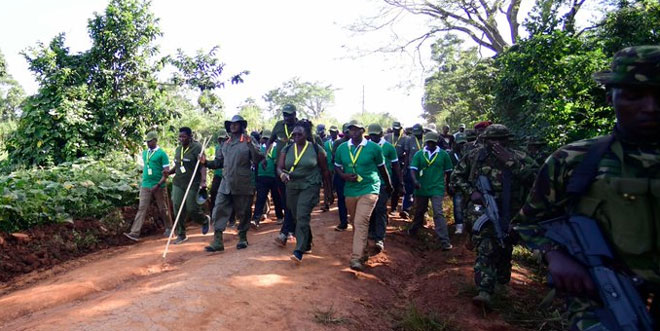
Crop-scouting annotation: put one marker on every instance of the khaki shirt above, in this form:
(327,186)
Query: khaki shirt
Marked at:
(237,157)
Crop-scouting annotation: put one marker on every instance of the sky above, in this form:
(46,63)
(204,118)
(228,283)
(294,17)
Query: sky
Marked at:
(274,40)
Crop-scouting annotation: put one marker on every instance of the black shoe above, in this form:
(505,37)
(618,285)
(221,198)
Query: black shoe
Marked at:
(242,244)
(205,226)
(341,228)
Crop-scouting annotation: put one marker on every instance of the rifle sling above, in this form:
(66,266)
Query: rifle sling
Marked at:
(587,170)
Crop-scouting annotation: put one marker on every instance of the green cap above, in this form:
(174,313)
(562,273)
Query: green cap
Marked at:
(637,65)
(151,135)
(355,123)
(333,128)
(222,133)
(417,128)
(289,109)
(374,128)
(396,125)
(496,131)
(344,128)
(266,134)
(431,136)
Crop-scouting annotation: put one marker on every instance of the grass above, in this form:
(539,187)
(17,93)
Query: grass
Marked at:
(415,320)
(328,316)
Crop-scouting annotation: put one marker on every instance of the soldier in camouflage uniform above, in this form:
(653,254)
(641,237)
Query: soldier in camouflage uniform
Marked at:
(536,149)
(624,196)
(508,170)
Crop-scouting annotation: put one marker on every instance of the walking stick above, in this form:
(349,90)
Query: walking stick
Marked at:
(185,195)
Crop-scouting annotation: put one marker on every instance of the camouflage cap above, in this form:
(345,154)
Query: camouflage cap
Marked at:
(431,136)
(637,65)
(535,141)
(496,131)
(374,128)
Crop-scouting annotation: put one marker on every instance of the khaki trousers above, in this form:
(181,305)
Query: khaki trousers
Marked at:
(145,200)
(359,211)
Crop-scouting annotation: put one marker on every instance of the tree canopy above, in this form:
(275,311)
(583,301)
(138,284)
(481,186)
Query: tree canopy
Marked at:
(311,98)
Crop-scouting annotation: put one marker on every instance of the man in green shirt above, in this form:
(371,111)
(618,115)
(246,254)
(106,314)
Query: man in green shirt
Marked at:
(236,191)
(338,183)
(430,170)
(327,147)
(185,160)
(266,183)
(153,186)
(358,162)
(281,134)
(378,220)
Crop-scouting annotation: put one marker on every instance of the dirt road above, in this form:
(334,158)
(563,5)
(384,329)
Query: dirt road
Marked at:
(259,288)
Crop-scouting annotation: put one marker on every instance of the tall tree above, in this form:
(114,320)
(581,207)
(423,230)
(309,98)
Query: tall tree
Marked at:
(253,114)
(11,94)
(312,98)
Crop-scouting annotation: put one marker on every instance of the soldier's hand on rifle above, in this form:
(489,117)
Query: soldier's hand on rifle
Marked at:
(569,276)
(502,154)
(476,197)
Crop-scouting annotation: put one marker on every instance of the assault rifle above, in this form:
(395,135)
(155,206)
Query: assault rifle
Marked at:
(623,308)
(491,213)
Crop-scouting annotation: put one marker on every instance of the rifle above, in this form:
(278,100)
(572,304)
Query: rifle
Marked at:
(491,213)
(623,308)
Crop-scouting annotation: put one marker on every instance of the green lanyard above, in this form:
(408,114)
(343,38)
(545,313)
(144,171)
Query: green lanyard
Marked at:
(298,157)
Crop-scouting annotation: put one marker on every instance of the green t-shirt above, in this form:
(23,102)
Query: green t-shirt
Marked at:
(327,147)
(218,172)
(389,155)
(307,172)
(283,134)
(431,168)
(271,159)
(154,163)
(188,159)
(368,157)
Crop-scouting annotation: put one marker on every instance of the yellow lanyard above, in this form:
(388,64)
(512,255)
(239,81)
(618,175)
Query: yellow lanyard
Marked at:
(429,163)
(286,132)
(419,147)
(357,155)
(183,153)
(298,157)
(148,157)
(272,150)
(399,138)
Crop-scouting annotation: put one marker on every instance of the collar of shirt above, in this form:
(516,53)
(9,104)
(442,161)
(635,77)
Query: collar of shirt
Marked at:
(153,150)
(381,142)
(362,143)
(426,150)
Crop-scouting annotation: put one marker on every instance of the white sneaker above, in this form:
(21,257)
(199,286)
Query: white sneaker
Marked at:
(459,229)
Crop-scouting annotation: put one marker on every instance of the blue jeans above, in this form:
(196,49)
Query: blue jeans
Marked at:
(410,188)
(457,199)
(341,201)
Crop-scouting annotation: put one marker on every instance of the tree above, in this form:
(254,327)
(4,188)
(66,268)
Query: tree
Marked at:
(460,89)
(11,94)
(384,119)
(253,114)
(311,98)
(477,20)
(105,98)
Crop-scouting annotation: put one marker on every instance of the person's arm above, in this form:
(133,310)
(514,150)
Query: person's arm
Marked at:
(166,170)
(217,163)
(414,168)
(386,177)
(339,168)
(325,173)
(281,171)
(255,152)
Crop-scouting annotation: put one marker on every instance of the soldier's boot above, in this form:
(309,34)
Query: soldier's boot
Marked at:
(242,240)
(482,300)
(216,245)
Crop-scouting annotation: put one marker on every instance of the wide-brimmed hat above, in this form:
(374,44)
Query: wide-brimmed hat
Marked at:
(236,119)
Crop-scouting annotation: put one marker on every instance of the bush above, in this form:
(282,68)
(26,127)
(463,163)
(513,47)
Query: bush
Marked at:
(84,188)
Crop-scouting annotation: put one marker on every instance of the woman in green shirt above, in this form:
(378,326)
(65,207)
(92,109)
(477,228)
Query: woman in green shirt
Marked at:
(302,166)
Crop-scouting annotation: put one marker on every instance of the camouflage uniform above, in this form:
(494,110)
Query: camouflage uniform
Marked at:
(624,197)
(493,262)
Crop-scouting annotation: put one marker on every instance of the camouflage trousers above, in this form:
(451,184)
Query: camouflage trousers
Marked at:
(493,263)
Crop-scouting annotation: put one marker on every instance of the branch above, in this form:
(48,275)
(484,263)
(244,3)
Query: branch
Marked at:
(512,18)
